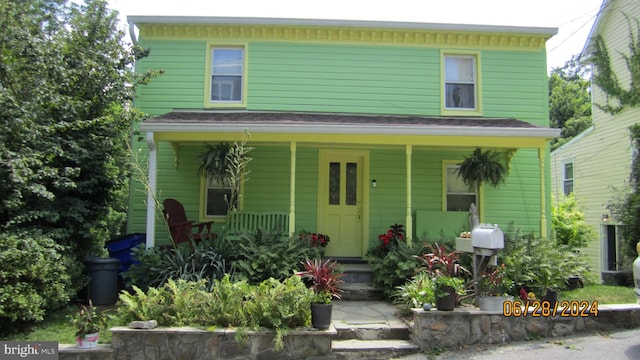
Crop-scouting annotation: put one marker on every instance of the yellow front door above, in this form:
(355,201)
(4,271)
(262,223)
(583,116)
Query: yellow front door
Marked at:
(340,201)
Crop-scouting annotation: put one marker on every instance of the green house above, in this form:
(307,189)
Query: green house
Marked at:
(355,125)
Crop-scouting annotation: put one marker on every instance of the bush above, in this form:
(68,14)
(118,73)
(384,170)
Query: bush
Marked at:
(270,255)
(33,277)
(140,274)
(415,292)
(271,304)
(569,227)
(395,266)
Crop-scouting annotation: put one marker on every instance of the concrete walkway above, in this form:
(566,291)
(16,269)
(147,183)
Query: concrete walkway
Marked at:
(618,345)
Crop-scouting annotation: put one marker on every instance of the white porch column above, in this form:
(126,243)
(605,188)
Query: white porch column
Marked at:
(292,190)
(408,221)
(151,189)
(543,196)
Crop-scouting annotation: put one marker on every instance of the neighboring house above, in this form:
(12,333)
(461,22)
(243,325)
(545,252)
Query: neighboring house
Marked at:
(355,125)
(597,163)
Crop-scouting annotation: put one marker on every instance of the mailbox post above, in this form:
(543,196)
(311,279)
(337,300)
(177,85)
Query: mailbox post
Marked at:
(486,240)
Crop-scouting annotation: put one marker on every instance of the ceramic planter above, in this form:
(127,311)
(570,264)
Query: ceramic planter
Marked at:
(88,341)
(448,302)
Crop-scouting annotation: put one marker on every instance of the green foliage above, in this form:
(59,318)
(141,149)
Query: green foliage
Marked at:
(182,264)
(605,78)
(33,275)
(87,320)
(237,160)
(568,225)
(569,100)
(441,282)
(66,85)
(263,255)
(270,304)
(415,292)
(394,268)
(542,264)
(141,274)
(213,161)
(482,167)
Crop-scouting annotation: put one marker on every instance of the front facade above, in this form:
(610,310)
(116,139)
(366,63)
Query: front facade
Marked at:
(355,126)
(595,166)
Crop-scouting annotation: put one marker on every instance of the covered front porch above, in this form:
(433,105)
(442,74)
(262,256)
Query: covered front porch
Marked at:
(351,176)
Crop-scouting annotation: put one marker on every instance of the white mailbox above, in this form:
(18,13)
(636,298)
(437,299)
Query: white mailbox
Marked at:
(487,236)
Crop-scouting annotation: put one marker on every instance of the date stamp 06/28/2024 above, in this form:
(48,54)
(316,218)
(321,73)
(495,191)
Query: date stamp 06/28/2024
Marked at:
(524,308)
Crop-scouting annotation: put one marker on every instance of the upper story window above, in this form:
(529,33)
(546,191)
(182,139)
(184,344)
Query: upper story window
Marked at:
(459,196)
(227,75)
(460,91)
(567,178)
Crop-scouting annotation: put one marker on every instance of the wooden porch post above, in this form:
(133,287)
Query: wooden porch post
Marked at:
(292,190)
(151,196)
(543,195)
(408,221)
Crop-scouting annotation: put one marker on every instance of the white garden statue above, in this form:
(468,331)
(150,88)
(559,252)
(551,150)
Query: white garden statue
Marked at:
(474,220)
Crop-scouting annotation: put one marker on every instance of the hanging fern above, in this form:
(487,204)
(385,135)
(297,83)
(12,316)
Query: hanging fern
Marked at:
(482,167)
(213,161)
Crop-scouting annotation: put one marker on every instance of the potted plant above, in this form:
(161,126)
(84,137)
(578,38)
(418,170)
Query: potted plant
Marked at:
(493,290)
(88,321)
(548,279)
(443,266)
(324,278)
(480,167)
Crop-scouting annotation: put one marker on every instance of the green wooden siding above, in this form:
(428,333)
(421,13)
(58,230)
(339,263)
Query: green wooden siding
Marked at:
(344,78)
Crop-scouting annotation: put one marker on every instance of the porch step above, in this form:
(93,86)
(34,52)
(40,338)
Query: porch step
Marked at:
(372,349)
(358,291)
(357,273)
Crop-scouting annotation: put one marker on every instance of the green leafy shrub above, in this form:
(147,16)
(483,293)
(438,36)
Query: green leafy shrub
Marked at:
(263,255)
(529,259)
(182,264)
(569,227)
(141,274)
(395,267)
(271,304)
(415,292)
(33,277)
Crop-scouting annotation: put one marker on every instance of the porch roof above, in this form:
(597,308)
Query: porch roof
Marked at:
(333,123)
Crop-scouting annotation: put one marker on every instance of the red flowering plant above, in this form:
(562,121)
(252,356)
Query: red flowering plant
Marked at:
(495,283)
(315,240)
(391,237)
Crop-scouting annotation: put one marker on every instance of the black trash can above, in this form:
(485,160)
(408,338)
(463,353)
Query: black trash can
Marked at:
(103,283)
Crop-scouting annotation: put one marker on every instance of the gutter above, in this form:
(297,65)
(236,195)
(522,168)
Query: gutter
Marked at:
(221,127)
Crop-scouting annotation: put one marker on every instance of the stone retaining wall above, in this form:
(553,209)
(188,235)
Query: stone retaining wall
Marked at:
(467,326)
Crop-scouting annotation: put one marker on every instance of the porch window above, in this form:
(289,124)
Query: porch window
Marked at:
(216,198)
(227,75)
(568,178)
(459,196)
(460,83)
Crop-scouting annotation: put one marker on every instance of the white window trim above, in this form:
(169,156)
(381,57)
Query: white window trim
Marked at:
(564,178)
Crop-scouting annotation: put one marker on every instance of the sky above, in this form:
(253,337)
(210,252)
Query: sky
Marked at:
(572,18)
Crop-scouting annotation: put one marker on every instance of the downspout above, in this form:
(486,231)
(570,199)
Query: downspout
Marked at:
(292,190)
(151,189)
(409,221)
(132,32)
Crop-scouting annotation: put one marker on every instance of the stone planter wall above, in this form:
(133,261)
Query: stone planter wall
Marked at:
(467,326)
(191,343)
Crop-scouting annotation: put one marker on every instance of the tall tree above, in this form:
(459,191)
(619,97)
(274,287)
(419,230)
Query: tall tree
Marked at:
(66,83)
(569,100)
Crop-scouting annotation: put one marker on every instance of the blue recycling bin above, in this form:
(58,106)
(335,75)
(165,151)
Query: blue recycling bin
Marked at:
(121,249)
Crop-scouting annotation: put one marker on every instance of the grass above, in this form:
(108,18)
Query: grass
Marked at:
(56,326)
(604,294)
